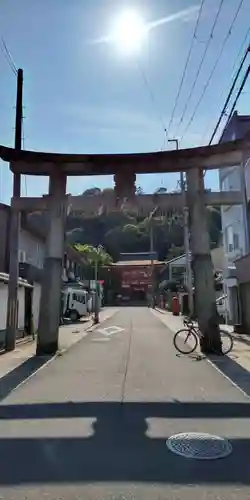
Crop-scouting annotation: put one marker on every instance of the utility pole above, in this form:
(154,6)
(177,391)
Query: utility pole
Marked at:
(96,316)
(152,268)
(152,262)
(12,306)
(186,237)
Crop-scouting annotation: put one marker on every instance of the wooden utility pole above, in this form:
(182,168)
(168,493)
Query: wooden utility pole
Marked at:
(152,267)
(12,307)
(186,237)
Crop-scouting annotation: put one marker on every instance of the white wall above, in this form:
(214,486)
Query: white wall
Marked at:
(233,229)
(3,306)
(232,218)
(31,250)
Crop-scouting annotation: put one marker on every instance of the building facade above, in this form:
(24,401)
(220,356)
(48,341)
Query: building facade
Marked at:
(176,269)
(30,254)
(31,251)
(234,218)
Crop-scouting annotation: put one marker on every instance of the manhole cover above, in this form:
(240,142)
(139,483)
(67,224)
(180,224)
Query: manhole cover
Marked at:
(199,446)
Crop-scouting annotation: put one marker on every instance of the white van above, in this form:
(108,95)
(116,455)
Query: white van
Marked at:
(76,303)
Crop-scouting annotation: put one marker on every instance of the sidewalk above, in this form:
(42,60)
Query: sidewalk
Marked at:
(240,354)
(68,336)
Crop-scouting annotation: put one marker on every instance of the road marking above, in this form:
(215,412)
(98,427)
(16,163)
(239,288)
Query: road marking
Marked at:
(102,339)
(110,330)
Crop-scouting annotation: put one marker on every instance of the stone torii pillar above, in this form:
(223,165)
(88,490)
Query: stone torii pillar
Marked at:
(205,298)
(49,315)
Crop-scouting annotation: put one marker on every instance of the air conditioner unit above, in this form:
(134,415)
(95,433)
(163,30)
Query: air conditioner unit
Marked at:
(22,256)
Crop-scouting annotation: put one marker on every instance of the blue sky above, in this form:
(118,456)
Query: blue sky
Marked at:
(84,97)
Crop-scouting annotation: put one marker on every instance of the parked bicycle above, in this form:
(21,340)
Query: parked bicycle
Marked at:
(186,339)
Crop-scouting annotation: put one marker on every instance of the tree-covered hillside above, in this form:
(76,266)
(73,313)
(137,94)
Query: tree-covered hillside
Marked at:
(121,232)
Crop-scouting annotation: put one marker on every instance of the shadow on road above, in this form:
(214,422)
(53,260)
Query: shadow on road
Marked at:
(228,367)
(13,379)
(120,448)
(125,411)
(233,370)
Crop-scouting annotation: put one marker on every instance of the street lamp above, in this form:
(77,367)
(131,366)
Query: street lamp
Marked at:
(186,238)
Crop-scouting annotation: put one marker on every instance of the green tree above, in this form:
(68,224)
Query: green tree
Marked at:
(94,255)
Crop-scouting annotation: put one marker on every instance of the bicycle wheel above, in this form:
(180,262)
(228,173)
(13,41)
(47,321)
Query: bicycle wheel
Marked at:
(226,341)
(185,341)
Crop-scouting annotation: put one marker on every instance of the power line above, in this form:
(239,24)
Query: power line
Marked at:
(200,66)
(8,56)
(186,65)
(229,95)
(234,73)
(213,69)
(239,92)
(246,38)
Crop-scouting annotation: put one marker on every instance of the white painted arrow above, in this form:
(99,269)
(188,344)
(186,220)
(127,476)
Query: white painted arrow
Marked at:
(110,330)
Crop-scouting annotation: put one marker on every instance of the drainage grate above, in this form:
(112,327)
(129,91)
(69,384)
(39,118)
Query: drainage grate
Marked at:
(198,445)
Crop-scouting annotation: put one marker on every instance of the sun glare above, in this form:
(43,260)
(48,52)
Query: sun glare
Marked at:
(129,31)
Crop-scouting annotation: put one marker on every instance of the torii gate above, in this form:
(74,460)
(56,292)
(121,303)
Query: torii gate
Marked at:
(124,167)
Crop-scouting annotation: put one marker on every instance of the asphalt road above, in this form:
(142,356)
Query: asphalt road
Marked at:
(93,424)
